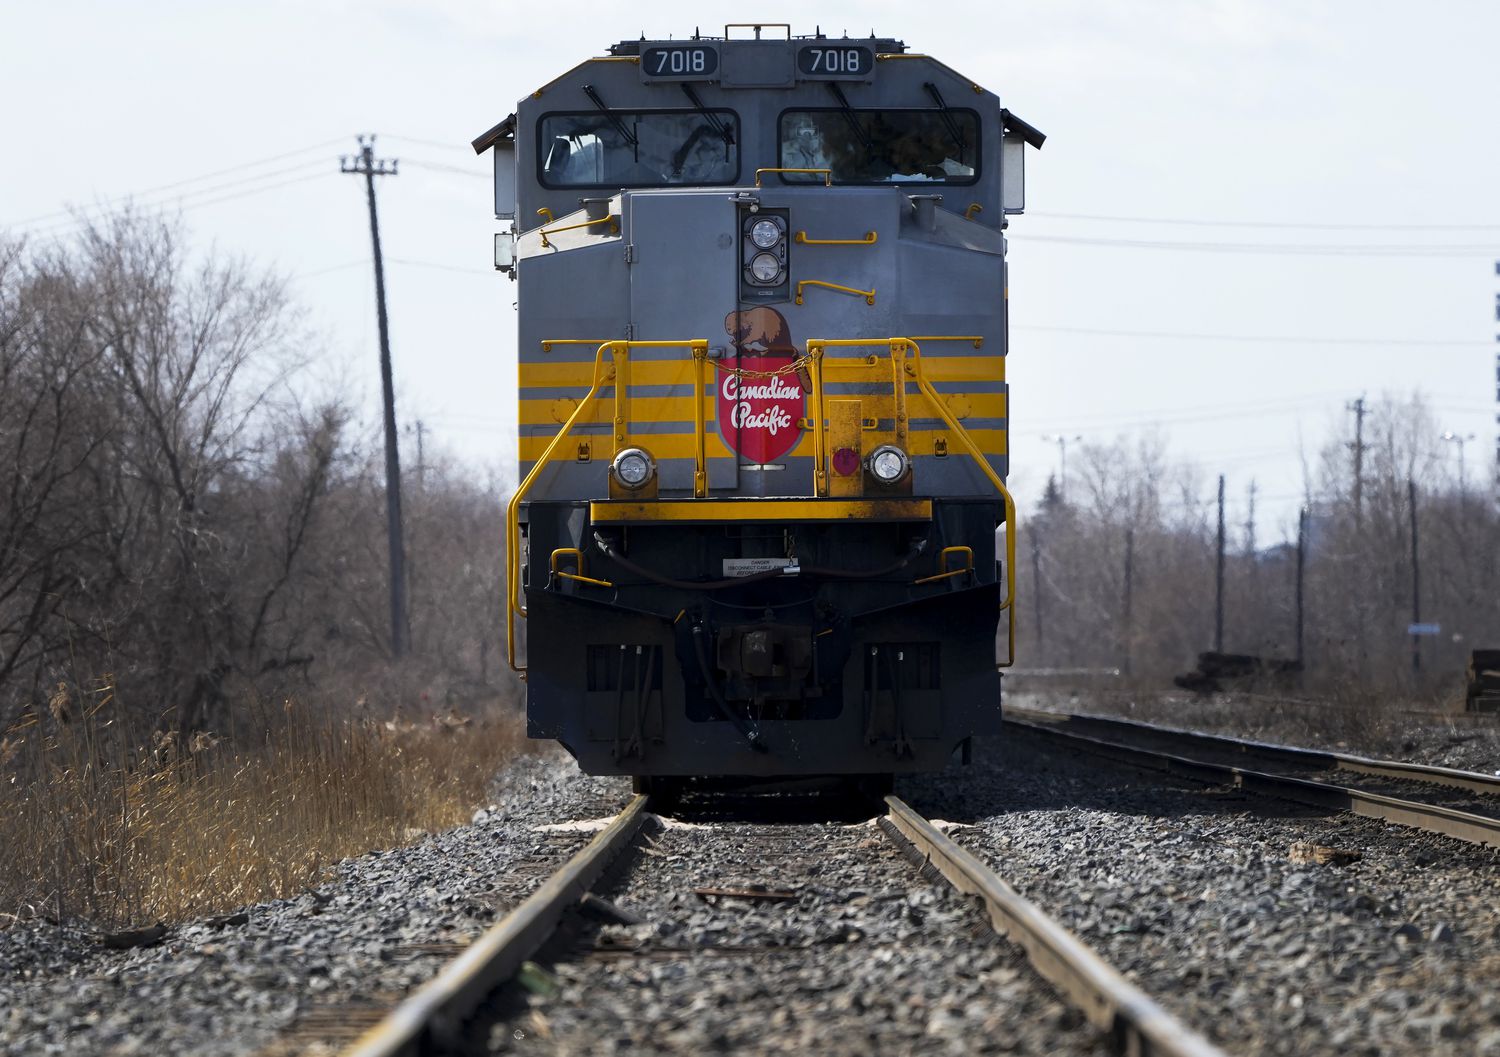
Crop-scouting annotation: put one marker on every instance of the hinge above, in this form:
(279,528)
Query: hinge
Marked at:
(630,253)
(629,331)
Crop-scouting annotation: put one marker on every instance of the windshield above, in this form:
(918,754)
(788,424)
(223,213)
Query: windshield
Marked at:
(637,148)
(882,146)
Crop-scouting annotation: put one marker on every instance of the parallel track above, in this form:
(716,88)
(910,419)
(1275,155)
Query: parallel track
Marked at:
(433,1018)
(1121,740)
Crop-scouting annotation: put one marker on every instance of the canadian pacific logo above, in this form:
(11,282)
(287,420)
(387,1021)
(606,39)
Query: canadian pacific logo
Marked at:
(760,395)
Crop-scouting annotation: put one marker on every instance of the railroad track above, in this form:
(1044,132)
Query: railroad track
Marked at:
(829,875)
(1461,804)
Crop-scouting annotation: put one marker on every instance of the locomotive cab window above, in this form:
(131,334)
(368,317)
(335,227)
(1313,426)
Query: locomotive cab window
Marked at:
(881,146)
(638,148)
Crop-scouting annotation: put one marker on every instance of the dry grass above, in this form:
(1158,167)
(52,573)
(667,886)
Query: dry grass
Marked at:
(98,826)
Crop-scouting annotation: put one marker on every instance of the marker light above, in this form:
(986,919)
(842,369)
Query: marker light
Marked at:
(888,463)
(765,268)
(765,233)
(633,467)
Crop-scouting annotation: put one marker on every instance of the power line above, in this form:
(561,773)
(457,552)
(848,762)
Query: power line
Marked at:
(130,196)
(1259,339)
(1197,414)
(440,144)
(442,167)
(1264,224)
(164,204)
(1292,249)
(477,270)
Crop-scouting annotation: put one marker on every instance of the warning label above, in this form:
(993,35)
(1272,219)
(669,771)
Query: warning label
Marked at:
(751,566)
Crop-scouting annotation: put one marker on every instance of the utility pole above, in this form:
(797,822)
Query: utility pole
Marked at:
(367,165)
(1219,578)
(1460,439)
(1062,453)
(1250,529)
(1358,407)
(1416,579)
(1036,590)
(1129,591)
(1301,574)
(421,430)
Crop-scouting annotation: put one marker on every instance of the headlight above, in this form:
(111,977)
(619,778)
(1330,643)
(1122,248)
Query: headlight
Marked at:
(633,467)
(765,268)
(765,233)
(888,463)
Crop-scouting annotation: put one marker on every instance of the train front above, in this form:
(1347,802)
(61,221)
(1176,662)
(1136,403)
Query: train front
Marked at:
(761,289)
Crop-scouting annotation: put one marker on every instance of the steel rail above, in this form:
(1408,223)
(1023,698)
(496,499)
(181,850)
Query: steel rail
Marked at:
(1432,818)
(1138,1025)
(1471,781)
(431,1018)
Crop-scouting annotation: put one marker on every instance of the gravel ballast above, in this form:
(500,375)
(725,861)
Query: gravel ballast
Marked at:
(849,950)
(327,960)
(1194,894)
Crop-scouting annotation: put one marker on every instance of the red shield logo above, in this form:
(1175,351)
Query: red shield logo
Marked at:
(760,406)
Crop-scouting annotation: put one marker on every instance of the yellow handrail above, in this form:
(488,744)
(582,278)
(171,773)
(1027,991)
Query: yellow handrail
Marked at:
(977,339)
(700,467)
(827,174)
(914,368)
(547,343)
(946,573)
(815,375)
(611,220)
(618,352)
(577,556)
(908,349)
(868,295)
(801,239)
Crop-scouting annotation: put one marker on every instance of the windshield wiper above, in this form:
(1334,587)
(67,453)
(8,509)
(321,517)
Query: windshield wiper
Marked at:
(625,133)
(848,112)
(725,132)
(947,115)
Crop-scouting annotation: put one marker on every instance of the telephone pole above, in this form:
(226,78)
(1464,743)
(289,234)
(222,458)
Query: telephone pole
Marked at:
(367,165)
(1219,577)
(1358,407)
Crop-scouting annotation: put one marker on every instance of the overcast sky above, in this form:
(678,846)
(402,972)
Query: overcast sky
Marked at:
(1246,213)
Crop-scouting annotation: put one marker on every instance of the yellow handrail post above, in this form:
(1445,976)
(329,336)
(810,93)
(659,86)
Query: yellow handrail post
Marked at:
(617,372)
(700,468)
(914,367)
(513,606)
(619,351)
(815,374)
(898,388)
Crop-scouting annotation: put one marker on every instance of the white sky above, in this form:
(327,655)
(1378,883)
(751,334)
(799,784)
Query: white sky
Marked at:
(1375,114)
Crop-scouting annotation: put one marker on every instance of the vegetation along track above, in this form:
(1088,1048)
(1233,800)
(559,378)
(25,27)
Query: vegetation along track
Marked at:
(734,935)
(1462,804)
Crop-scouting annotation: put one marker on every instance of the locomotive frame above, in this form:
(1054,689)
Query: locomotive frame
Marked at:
(760,556)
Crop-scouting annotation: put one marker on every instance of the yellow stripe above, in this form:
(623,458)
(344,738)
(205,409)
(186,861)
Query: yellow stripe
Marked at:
(642,409)
(551,374)
(581,373)
(681,445)
(762,510)
(661,446)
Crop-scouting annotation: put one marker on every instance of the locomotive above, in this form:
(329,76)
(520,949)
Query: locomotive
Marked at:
(762,528)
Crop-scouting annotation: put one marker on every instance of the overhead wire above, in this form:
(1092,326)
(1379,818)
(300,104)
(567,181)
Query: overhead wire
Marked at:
(149,191)
(1259,339)
(1283,225)
(1290,249)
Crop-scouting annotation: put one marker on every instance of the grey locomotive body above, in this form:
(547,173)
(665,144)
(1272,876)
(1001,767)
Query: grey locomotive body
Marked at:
(762,405)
